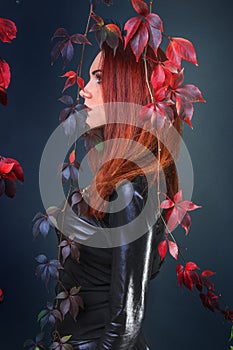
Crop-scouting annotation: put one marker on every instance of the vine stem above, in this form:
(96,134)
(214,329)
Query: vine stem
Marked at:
(151,3)
(159,148)
(83,48)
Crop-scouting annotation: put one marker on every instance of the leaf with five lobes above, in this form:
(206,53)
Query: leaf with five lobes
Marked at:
(180,48)
(8,30)
(178,211)
(185,274)
(140,7)
(5,74)
(64,45)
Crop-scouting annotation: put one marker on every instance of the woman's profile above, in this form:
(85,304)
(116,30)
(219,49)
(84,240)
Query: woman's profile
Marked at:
(115,280)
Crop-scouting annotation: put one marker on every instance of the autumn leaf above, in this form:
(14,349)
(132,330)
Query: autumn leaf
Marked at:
(140,7)
(110,33)
(142,30)
(8,30)
(10,170)
(178,211)
(64,46)
(180,48)
(5,74)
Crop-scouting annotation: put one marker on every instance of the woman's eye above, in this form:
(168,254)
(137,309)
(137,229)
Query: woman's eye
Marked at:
(98,78)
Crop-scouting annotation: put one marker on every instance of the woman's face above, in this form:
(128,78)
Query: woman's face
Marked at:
(92,94)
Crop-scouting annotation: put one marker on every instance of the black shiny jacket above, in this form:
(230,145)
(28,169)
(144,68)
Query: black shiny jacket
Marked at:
(120,274)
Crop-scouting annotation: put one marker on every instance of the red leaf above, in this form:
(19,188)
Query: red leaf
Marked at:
(172,55)
(177,79)
(167,203)
(5,74)
(179,272)
(155,38)
(140,7)
(158,118)
(72,156)
(210,300)
(17,169)
(113,28)
(178,196)
(188,282)
(99,20)
(191,93)
(1,295)
(187,205)
(60,33)
(207,273)
(79,39)
(157,77)
(185,223)
(184,109)
(8,30)
(154,21)
(190,266)
(80,82)
(5,168)
(173,249)
(162,249)
(183,48)
(113,36)
(71,80)
(139,40)
(146,112)
(131,27)
(3,96)
(172,218)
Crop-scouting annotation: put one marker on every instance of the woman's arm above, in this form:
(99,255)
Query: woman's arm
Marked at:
(131,272)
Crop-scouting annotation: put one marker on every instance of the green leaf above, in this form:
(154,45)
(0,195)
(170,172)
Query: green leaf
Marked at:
(41,314)
(37,348)
(100,146)
(231,347)
(66,338)
(231,336)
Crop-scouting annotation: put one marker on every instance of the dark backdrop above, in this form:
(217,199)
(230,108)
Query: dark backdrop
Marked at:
(175,317)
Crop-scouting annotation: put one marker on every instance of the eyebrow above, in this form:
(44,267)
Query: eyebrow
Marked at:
(95,71)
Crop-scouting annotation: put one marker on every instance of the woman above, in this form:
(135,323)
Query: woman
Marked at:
(114,278)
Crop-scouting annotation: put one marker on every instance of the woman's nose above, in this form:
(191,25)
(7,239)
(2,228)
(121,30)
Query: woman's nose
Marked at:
(85,93)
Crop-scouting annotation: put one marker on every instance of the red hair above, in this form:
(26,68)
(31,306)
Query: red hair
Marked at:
(123,80)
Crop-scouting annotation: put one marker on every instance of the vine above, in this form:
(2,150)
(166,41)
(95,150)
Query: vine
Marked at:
(169,99)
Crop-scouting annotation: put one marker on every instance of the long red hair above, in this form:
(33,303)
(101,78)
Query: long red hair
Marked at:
(123,80)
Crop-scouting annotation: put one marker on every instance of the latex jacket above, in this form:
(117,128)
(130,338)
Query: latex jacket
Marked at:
(115,280)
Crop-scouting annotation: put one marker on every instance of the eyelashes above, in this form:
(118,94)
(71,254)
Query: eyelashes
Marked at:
(98,78)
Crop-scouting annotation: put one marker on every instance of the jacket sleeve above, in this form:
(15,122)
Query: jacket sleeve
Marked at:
(131,271)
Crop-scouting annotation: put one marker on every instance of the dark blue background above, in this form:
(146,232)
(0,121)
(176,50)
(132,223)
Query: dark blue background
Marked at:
(175,317)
